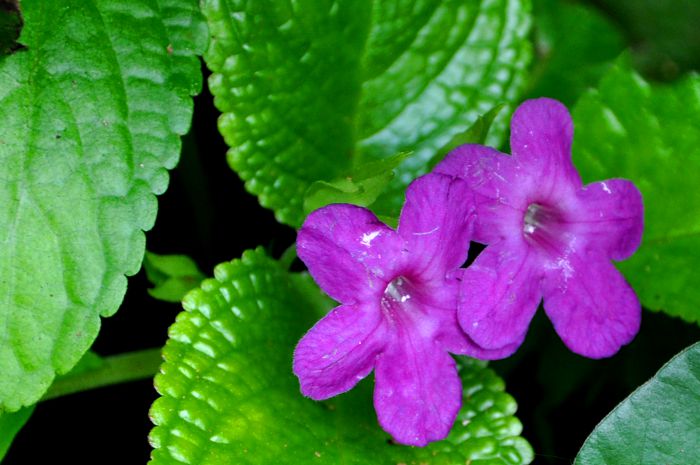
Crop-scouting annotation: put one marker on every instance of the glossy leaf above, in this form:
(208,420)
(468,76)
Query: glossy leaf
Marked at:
(648,133)
(229,395)
(657,424)
(91,113)
(172,275)
(476,134)
(310,90)
(360,187)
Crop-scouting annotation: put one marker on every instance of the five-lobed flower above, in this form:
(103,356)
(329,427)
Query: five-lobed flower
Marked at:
(398,307)
(548,236)
(406,303)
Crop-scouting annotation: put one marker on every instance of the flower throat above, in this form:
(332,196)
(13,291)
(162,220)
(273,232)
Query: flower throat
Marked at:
(543,226)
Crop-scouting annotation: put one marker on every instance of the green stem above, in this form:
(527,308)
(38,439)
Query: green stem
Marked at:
(116,369)
(288,257)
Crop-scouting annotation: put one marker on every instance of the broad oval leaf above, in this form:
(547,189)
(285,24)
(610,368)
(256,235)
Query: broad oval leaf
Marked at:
(91,115)
(229,395)
(657,424)
(310,89)
(648,133)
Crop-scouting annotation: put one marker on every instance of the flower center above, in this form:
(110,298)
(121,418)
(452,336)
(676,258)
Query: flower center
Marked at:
(544,227)
(396,297)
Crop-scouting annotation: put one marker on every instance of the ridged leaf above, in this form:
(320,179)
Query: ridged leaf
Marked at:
(648,133)
(91,114)
(310,89)
(229,396)
(657,424)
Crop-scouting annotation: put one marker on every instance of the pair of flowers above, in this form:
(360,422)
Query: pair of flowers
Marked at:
(406,302)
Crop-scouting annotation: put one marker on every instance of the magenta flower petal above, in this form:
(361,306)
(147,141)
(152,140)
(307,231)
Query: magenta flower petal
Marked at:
(442,301)
(592,307)
(400,299)
(454,339)
(492,176)
(436,223)
(611,217)
(541,225)
(500,292)
(339,351)
(348,251)
(541,133)
(418,392)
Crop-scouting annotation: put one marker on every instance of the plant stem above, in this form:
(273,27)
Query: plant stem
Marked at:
(288,257)
(115,369)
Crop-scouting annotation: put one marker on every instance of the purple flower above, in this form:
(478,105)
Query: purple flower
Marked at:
(398,312)
(548,237)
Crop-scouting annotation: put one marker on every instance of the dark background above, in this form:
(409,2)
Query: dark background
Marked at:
(207,214)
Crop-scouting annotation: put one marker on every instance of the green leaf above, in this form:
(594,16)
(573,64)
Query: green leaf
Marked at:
(657,424)
(476,134)
(172,275)
(229,395)
(310,90)
(361,187)
(631,129)
(575,46)
(91,115)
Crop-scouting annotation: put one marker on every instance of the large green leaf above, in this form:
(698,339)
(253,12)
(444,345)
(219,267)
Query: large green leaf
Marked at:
(658,424)
(649,133)
(310,89)
(91,115)
(229,395)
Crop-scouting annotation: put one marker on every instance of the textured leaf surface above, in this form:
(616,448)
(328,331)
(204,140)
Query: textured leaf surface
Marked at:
(648,133)
(91,115)
(229,395)
(310,89)
(657,424)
